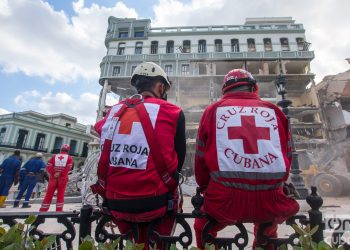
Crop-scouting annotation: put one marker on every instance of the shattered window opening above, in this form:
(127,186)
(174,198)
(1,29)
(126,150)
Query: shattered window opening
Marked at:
(251,45)
(154,47)
(218,45)
(234,45)
(202,46)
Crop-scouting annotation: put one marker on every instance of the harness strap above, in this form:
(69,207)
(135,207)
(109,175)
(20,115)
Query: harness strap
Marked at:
(103,162)
(154,148)
(146,123)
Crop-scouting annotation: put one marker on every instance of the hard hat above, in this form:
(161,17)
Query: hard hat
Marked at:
(237,77)
(149,69)
(65,147)
(39,155)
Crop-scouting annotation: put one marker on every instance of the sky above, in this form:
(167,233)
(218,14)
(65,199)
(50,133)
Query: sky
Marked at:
(50,50)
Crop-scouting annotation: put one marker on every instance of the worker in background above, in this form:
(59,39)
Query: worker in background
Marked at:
(9,171)
(33,168)
(143,149)
(243,157)
(58,167)
(40,186)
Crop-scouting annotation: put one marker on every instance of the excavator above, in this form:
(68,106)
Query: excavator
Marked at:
(328,170)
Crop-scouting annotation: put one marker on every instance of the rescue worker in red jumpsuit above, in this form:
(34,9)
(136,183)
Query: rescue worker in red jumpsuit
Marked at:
(242,159)
(58,167)
(147,145)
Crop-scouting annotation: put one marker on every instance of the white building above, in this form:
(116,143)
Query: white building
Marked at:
(32,132)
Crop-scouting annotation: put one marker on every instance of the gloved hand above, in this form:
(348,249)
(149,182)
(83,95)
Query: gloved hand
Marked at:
(97,188)
(290,191)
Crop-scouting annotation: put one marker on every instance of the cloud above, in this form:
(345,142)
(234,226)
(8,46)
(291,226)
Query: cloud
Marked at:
(39,41)
(4,111)
(326,23)
(83,106)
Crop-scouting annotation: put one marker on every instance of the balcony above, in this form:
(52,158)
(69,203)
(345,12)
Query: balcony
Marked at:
(23,147)
(308,55)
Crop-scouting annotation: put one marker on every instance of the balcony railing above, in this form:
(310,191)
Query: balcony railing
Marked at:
(213,56)
(24,147)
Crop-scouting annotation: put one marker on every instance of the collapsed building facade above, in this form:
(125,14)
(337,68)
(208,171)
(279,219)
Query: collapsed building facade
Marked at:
(196,58)
(334,96)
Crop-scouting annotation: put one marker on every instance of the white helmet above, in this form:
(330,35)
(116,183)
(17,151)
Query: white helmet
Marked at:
(149,69)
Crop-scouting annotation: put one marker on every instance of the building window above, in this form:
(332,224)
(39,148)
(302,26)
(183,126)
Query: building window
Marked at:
(234,45)
(251,45)
(138,47)
(300,43)
(39,142)
(139,33)
(267,44)
(121,49)
(170,47)
(186,46)
(22,138)
(168,69)
(85,150)
(202,46)
(73,147)
(123,34)
(284,44)
(2,135)
(133,69)
(218,45)
(202,68)
(57,145)
(185,69)
(116,71)
(154,47)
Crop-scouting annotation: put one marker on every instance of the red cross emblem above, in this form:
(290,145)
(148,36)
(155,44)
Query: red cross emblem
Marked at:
(130,116)
(60,157)
(249,133)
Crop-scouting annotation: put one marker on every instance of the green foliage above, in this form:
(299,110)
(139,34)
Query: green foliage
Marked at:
(306,242)
(18,238)
(89,243)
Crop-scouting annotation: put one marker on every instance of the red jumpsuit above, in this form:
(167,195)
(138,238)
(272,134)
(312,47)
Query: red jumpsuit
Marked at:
(133,188)
(58,167)
(242,159)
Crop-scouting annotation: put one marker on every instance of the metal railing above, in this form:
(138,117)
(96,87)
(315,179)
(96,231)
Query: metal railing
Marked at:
(88,215)
(24,147)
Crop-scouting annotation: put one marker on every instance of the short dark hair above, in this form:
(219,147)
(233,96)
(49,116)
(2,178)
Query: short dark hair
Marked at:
(17,153)
(147,83)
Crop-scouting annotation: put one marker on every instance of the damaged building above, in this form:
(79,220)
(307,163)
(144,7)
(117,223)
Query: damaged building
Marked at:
(196,58)
(334,95)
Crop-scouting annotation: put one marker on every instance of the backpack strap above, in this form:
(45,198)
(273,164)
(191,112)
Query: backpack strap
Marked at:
(103,162)
(157,156)
(137,103)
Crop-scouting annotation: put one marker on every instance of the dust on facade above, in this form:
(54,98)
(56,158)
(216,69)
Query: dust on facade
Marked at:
(197,57)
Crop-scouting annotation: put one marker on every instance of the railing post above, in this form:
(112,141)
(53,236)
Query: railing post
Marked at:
(197,202)
(85,222)
(315,201)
